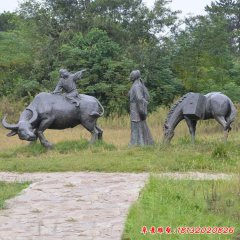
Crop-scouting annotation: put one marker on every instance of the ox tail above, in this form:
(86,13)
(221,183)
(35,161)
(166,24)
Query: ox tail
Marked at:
(102,108)
(231,116)
(97,114)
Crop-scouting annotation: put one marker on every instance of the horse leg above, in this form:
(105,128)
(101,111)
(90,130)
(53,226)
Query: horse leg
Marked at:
(100,132)
(229,128)
(222,121)
(43,126)
(192,127)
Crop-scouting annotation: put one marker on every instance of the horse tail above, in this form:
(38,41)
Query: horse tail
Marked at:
(232,115)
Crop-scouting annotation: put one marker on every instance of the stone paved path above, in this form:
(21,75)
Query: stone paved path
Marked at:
(75,206)
(69,206)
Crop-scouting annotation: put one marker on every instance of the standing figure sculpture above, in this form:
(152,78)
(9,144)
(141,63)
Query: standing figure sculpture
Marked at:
(139,97)
(67,82)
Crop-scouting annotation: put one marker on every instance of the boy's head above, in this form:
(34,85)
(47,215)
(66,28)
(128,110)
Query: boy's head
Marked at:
(63,73)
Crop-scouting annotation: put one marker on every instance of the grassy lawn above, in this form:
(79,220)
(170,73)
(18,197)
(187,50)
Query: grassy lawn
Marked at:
(206,155)
(171,203)
(162,203)
(9,190)
(73,153)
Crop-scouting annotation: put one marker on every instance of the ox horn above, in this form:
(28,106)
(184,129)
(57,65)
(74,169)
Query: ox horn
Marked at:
(34,115)
(9,126)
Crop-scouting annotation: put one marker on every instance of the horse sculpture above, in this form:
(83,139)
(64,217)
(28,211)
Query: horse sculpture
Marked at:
(54,111)
(214,105)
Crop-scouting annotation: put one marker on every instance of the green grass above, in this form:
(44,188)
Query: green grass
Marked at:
(205,155)
(172,203)
(9,190)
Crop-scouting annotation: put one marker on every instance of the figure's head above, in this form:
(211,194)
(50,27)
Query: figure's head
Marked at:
(134,75)
(168,133)
(63,73)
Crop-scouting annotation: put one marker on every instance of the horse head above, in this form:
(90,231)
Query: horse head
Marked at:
(168,133)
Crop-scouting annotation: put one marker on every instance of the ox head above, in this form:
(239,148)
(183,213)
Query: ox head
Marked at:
(168,133)
(23,128)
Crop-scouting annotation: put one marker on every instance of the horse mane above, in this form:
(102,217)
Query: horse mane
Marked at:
(174,106)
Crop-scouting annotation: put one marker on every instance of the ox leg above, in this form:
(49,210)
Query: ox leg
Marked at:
(43,126)
(222,121)
(192,127)
(36,133)
(94,137)
(91,127)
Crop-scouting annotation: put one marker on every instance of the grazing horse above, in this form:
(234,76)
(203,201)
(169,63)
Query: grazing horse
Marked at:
(216,106)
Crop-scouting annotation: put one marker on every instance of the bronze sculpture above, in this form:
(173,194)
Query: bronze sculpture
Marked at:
(57,111)
(194,106)
(139,97)
(67,82)
(54,111)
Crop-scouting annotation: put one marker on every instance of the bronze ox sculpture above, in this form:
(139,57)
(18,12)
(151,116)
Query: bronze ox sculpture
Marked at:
(194,106)
(54,111)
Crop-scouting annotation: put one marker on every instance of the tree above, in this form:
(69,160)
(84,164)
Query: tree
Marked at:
(108,68)
(228,9)
(202,59)
(7,21)
(57,26)
(15,63)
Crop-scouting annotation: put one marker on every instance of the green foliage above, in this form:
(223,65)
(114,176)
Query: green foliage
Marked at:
(71,146)
(16,59)
(36,149)
(220,151)
(81,156)
(9,190)
(187,203)
(104,36)
(14,50)
(7,21)
(108,68)
(232,90)
(229,10)
(203,59)
(111,38)
(12,110)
